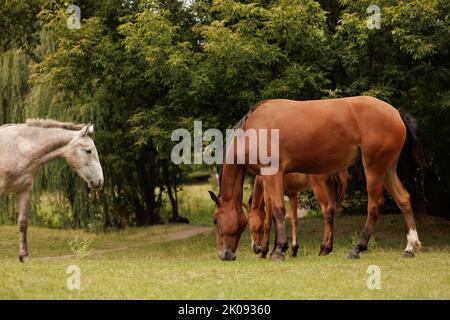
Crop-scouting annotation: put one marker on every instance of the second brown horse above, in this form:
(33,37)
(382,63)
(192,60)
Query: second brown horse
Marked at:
(329,191)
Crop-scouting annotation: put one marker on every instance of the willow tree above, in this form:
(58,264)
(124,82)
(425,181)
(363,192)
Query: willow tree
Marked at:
(95,74)
(13,88)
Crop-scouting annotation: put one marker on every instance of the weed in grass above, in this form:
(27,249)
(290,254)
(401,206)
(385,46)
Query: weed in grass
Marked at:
(80,247)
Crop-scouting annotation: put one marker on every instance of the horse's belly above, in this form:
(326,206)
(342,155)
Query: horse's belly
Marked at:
(19,183)
(321,161)
(295,182)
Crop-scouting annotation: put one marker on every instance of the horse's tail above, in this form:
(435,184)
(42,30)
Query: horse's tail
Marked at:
(337,182)
(413,158)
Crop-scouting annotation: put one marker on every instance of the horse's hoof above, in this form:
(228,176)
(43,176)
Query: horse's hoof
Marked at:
(324,250)
(264,253)
(277,256)
(353,255)
(408,254)
(24,259)
(256,249)
(294,250)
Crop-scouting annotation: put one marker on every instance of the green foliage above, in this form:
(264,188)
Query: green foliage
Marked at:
(406,63)
(307,201)
(141,69)
(13,84)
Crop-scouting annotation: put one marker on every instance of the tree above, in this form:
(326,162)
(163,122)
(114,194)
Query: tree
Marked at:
(140,69)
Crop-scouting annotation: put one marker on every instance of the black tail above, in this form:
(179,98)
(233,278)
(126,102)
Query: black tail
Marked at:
(413,164)
(337,183)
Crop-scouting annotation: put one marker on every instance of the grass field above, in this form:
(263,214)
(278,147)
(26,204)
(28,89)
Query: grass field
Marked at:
(149,266)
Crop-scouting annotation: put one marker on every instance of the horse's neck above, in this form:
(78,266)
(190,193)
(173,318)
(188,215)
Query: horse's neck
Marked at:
(48,143)
(232,183)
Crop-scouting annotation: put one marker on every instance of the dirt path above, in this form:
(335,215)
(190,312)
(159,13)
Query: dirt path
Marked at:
(177,235)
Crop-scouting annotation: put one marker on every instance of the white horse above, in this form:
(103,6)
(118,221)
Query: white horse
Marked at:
(25,148)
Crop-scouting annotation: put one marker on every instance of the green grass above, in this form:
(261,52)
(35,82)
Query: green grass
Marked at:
(152,268)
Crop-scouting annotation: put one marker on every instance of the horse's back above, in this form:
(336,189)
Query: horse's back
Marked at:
(322,136)
(381,127)
(278,111)
(308,130)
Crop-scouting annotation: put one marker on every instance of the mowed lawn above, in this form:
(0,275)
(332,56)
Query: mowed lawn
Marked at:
(148,265)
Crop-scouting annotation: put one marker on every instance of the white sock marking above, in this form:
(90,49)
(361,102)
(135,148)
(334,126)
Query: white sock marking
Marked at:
(413,240)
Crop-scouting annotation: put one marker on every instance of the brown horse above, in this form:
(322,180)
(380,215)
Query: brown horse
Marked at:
(329,190)
(317,137)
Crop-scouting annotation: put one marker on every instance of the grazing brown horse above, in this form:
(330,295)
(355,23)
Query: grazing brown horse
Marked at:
(318,137)
(329,190)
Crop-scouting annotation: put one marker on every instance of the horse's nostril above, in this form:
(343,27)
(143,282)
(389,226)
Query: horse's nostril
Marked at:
(100,182)
(228,256)
(256,248)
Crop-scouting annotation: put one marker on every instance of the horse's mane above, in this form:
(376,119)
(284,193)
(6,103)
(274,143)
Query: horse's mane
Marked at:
(239,125)
(50,123)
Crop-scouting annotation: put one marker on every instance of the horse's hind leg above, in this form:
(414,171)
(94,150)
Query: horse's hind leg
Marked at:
(395,187)
(293,222)
(22,201)
(375,180)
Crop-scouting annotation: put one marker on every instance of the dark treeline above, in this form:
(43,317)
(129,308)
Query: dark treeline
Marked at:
(139,69)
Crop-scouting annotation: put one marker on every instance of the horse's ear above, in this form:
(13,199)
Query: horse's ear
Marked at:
(87,130)
(214,198)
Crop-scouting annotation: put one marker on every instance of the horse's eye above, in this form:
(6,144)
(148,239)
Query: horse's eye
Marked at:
(215,220)
(89,151)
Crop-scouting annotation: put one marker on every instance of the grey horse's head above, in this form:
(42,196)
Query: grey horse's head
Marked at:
(82,156)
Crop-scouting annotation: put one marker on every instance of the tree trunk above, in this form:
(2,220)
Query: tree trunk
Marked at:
(141,216)
(173,202)
(147,192)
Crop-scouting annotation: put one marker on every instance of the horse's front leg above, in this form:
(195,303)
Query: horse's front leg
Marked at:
(323,195)
(23,199)
(274,186)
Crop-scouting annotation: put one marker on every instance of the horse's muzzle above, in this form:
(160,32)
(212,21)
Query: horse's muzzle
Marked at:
(227,255)
(256,248)
(96,185)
